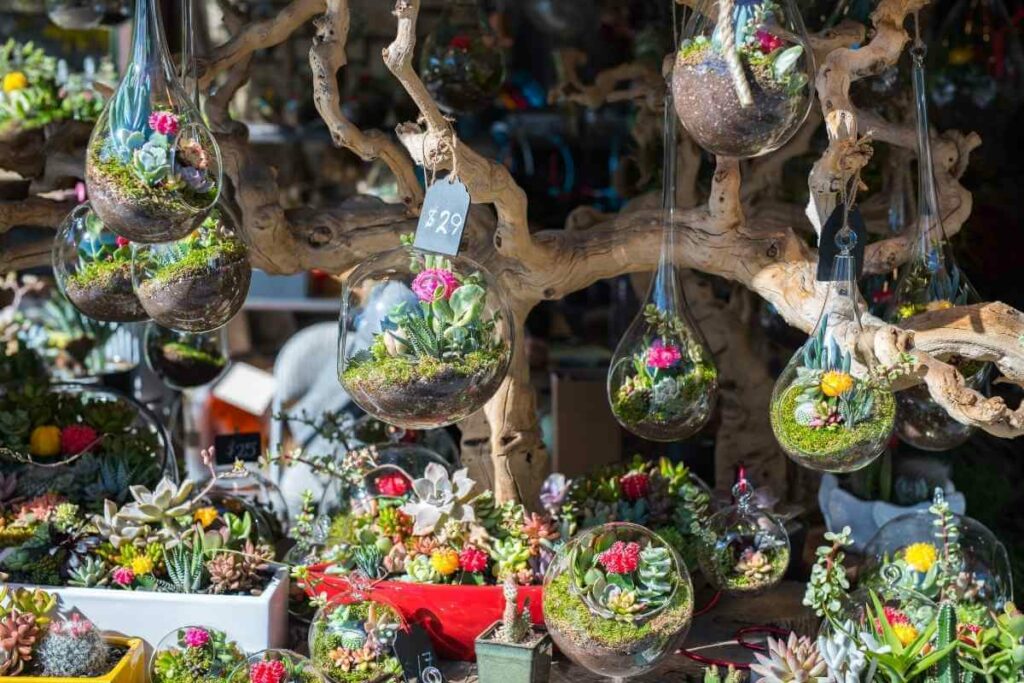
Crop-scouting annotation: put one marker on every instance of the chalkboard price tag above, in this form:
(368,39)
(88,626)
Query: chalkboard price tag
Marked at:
(246,447)
(445,209)
(415,652)
(827,249)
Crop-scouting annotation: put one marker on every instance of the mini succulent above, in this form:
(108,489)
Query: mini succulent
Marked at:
(73,648)
(19,633)
(625,581)
(436,497)
(794,660)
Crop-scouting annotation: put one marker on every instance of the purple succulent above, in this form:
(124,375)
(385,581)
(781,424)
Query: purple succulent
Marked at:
(553,492)
(196,179)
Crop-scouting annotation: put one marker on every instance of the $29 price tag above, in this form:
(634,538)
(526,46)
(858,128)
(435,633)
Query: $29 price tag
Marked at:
(445,209)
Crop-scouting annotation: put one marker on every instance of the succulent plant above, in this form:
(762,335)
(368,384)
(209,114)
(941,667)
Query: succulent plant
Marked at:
(91,573)
(238,572)
(515,623)
(420,570)
(794,660)
(73,648)
(436,497)
(19,633)
(152,161)
(754,565)
(844,659)
(511,556)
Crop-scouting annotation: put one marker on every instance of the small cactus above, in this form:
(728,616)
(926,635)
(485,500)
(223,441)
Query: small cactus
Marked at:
(948,667)
(515,623)
(72,649)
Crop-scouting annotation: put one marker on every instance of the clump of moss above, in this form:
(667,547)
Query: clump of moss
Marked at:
(129,187)
(569,614)
(103,274)
(199,261)
(391,371)
(725,576)
(833,444)
(180,352)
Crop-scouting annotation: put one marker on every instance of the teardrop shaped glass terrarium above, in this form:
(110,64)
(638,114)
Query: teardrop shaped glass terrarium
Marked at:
(152,166)
(931,281)
(617,600)
(93,268)
(743,75)
(425,339)
(185,360)
(195,284)
(743,549)
(461,63)
(824,417)
(75,15)
(662,381)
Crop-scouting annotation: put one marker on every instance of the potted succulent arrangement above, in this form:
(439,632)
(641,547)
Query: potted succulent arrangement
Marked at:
(195,284)
(617,599)
(77,444)
(182,359)
(276,666)
(825,416)
(94,268)
(352,643)
(161,559)
(194,654)
(667,383)
(39,644)
(438,354)
(513,650)
(744,93)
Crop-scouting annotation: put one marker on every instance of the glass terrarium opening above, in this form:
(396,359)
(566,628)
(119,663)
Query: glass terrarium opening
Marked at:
(425,340)
(184,360)
(152,167)
(743,74)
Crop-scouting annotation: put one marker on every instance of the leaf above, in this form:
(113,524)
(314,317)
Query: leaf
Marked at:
(786,61)
(466,303)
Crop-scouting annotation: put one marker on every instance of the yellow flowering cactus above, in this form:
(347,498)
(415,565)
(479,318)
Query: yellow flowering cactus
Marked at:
(836,383)
(905,632)
(15,80)
(205,516)
(445,561)
(142,565)
(921,557)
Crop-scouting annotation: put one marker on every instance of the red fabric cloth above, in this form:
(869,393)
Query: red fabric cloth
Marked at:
(453,616)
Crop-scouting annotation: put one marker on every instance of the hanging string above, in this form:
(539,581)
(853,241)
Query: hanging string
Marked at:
(727,34)
(189,65)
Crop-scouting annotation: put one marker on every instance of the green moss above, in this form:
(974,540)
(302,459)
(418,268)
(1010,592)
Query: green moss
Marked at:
(570,614)
(371,373)
(723,566)
(155,199)
(830,442)
(102,273)
(324,643)
(182,352)
(197,262)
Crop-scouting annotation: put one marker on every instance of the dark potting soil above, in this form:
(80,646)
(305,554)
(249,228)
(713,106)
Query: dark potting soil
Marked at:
(183,370)
(139,219)
(197,300)
(112,301)
(707,104)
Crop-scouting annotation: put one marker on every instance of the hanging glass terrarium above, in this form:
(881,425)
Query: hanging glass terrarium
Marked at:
(931,281)
(823,416)
(461,63)
(425,339)
(743,550)
(75,15)
(93,268)
(662,382)
(743,75)
(195,284)
(152,166)
(185,360)
(617,600)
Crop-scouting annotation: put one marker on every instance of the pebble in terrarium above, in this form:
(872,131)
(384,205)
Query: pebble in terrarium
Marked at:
(743,74)
(152,167)
(662,382)
(930,281)
(824,417)
(744,550)
(276,666)
(185,360)
(461,64)
(195,284)
(93,268)
(617,600)
(353,642)
(439,349)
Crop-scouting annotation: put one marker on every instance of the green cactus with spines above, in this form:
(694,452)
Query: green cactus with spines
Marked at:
(948,668)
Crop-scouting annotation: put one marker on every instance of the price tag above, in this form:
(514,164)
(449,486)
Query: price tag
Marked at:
(827,249)
(415,652)
(445,209)
(231,447)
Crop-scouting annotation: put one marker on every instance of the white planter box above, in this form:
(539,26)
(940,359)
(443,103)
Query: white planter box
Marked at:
(254,622)
(864,517)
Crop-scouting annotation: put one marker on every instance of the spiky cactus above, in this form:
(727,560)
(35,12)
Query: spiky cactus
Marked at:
(948,668)
(73,648)
(515,623)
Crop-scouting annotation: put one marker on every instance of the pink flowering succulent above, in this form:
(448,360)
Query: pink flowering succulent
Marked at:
(272,671)
(472,559)
(123,576)
(163,122)
(768,42)
(634,486)
(661,356)
(76,626)
(428,282)
(196,637)
(621,558)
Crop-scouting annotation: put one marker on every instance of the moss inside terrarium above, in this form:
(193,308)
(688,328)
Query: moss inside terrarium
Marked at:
(832,441)
(158,199)
(199,261)
(571,615)
(103,274)
(371,374)
(728,577)
(634,404)
(324,643)
(182,353)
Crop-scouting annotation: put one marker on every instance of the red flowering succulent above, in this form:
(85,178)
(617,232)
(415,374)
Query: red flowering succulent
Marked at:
(768,42)
(621,558)
(267,672)
(393,484)
(472,559)
(75,439)
(634,486)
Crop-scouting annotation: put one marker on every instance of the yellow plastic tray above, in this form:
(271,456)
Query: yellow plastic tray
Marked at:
(131,668)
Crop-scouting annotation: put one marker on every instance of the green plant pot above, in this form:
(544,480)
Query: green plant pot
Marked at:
(511,662)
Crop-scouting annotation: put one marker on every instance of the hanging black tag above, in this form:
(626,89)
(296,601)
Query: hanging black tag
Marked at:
(827,249)
(231,447)
(445,209)
(415,652)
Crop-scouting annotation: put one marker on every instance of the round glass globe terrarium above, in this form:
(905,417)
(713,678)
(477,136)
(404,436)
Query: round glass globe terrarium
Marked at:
(743,74)
(353,642)
(93,268)
(195,284)
(425,339)
(279,666)
(205,653)
(185,360)
(617,600)
(152,167)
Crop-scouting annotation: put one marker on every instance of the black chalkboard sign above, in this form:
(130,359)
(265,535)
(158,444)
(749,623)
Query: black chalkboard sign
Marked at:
(246,447)
(415,652)
(445,208)
(828,249)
